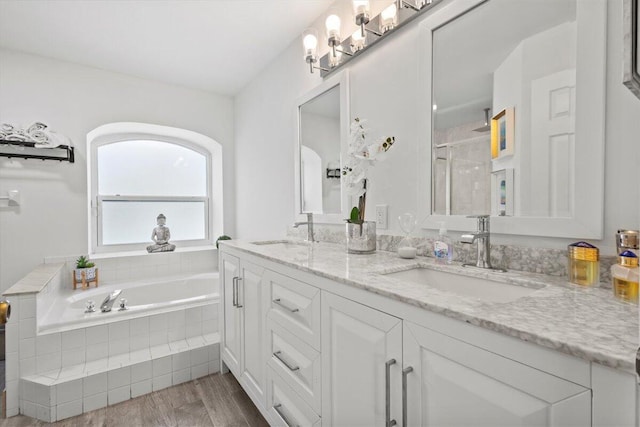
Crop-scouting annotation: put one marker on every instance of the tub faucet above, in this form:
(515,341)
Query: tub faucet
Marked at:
(482,238)
(109,300)
(309,224)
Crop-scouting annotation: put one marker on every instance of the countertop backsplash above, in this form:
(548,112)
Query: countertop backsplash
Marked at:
(510,257)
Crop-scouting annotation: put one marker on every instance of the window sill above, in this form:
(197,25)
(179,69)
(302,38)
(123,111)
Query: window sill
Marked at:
(106,255)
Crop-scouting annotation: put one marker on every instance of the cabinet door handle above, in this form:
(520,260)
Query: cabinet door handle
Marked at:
(284,362)
(387,383)
(238,305)
(233,291)
(292,310)
(406,371)
(283,416)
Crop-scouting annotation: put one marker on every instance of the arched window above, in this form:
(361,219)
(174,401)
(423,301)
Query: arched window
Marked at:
(138,171)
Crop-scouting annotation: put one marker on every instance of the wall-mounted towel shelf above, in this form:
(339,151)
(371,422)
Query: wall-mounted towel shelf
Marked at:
(27,150)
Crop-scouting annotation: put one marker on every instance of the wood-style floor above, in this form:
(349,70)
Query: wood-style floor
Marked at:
(216,400)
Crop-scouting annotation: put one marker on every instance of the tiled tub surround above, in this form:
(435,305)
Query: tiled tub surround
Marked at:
(552,262)
(52,376)
(588,323)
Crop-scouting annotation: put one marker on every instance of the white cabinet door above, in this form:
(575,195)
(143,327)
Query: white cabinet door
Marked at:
(231,314)
(359,346)
(251,295)
(456,384)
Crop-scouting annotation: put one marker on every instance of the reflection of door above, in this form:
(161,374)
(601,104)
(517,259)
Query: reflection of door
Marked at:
(552,144)
(311,182)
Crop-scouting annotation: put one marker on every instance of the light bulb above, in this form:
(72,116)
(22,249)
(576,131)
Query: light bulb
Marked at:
(357,41)
(388,17)
(310,42)
(333,26)
(361,7)
(334,60)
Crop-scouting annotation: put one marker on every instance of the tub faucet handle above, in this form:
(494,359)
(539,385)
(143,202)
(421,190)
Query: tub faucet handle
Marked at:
(90,306)
(123,304)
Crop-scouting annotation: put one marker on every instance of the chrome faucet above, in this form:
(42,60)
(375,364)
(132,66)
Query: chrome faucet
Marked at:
(309,224)
(482,239)
(107,304)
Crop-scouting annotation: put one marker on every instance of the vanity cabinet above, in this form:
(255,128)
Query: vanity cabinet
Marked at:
(311,351)
(455,383)
(243,331)
(378,369)
(361,364)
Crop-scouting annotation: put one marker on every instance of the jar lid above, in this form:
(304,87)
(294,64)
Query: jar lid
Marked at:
(628,239)
(628,259)
(583,251)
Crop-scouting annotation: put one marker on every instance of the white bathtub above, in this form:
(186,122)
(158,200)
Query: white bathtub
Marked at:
(144,298)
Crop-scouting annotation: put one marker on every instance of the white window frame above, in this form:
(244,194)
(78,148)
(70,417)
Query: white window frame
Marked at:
(122,132)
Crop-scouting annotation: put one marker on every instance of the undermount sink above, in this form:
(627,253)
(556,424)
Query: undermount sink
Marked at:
(285,244)
(475,287)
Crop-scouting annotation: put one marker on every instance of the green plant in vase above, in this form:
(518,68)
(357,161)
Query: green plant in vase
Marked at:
(84,272)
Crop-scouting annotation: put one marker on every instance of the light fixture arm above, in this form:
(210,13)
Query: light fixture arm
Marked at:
(362,19)
(311,61)
(343,51)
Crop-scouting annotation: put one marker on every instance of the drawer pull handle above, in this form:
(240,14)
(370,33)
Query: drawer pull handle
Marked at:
(283,416)
(237,288)
(387,383)
(406,371)
(234,291)
(292,310)
(278,356)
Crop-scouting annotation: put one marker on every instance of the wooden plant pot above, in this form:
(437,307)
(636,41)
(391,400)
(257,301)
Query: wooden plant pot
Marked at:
(85,276)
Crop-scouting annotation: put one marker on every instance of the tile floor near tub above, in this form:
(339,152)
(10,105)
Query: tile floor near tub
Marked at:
(215,400)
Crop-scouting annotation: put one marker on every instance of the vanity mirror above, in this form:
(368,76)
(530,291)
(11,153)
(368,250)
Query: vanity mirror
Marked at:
(323,129)
(631,46)
(517,123)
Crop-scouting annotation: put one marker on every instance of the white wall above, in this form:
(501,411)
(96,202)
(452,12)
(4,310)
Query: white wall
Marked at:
(385,89)
(73,100)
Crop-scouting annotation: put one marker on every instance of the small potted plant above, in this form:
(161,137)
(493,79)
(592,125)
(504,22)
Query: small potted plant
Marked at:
(85,272)
(361,234)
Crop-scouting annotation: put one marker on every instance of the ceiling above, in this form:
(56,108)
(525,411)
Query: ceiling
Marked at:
(213,45)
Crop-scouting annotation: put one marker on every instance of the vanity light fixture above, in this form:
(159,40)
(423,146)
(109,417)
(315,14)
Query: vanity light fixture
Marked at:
(394,16)
(310,45)
(361,10)
(332,25)
(333,32)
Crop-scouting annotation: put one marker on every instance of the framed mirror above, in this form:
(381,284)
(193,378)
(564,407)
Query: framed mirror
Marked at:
(631,52)
(322,135)
(516,122)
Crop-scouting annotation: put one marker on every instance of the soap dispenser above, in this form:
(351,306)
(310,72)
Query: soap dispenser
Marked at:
(442,247)
(625,277)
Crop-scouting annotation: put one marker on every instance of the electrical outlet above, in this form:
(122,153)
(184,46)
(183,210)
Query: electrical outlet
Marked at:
(382,216)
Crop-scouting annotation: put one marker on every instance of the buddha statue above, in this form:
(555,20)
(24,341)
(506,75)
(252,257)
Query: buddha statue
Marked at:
(161,236)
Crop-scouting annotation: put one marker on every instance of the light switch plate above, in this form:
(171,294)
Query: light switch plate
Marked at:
(382,216)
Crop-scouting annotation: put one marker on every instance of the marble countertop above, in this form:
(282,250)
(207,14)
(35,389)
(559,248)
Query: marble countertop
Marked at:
(588,323)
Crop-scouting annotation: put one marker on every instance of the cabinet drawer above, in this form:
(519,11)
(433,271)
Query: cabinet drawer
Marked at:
(297,363)
(295,306)
(285,408)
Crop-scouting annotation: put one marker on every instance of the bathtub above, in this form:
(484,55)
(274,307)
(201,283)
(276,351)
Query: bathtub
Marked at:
(168,336)
(144,298)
